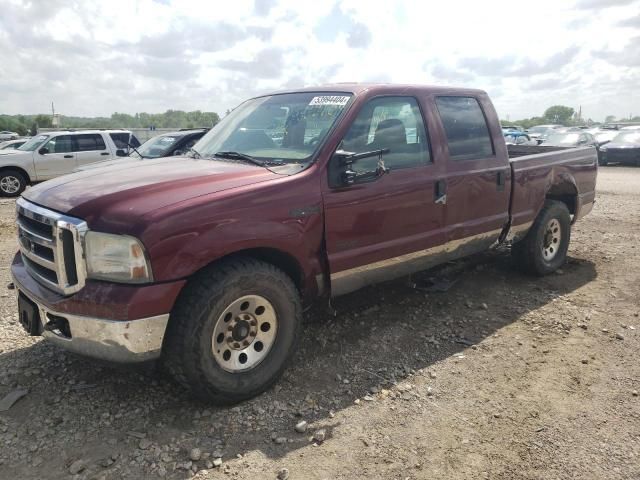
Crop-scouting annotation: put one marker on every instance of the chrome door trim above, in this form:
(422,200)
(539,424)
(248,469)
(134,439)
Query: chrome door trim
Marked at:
(353,279)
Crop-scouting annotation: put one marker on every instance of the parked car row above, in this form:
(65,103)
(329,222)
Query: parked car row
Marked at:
(7,135)
(623,148)
(166,145)
(52,154)
(613,144)
(13,144)
(27,161)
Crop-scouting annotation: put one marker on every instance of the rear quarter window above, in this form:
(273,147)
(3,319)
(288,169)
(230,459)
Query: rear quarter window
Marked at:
(121,140)
(89,142)
(465,127)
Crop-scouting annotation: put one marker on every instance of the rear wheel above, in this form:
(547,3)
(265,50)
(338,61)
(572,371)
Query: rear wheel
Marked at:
(544,249)
(12,183)
(233,330)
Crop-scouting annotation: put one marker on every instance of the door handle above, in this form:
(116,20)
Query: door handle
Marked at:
(68,156)
(440,193)
(104,153)
(501,180)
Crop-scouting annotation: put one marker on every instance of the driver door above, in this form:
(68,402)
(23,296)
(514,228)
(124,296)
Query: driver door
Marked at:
(55,158)
(377,227)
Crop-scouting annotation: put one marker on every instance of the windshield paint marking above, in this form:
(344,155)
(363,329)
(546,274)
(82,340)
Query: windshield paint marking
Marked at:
(339,100)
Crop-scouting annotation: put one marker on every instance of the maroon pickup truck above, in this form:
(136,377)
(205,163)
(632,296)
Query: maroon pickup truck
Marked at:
(206,261)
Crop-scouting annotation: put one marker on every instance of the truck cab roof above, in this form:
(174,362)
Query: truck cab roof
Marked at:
(381,89)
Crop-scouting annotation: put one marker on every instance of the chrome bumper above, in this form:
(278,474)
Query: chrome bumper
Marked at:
(114,341)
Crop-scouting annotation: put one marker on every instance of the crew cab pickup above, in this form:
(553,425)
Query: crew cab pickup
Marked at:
(52,154)
(294,197)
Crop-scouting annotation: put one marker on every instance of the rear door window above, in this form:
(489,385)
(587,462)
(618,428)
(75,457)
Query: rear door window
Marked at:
(466,128)
(90,142)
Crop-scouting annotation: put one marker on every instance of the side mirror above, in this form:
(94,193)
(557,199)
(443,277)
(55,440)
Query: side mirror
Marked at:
(121,153)
(341,173)
(43,151)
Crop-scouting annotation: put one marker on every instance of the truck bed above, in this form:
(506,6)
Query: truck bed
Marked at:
(540,173)
(516,151)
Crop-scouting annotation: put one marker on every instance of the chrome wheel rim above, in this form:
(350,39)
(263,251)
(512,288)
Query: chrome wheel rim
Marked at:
(244,333)
(552,239)
(9,184)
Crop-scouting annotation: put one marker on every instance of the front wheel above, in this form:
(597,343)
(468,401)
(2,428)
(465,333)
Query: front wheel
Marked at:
(233,330)
(12,183)
(544,249)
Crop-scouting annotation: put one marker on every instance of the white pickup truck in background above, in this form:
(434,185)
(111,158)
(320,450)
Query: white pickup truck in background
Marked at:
(52,154)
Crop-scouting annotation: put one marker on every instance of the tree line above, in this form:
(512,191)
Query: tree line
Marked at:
(29,124)
(563,115)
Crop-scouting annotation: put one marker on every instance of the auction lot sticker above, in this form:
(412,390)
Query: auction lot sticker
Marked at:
(330,100)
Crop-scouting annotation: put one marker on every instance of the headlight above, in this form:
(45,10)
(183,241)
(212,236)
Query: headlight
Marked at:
(116,258)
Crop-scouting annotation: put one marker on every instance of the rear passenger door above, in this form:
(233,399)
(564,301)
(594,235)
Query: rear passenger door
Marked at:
(477,180)
(90,148)
(56,157)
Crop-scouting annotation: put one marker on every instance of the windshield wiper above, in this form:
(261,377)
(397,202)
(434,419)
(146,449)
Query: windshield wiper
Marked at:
(134,149)
(240,156)
(194,153)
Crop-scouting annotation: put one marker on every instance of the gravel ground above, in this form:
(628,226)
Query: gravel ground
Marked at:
(502,376)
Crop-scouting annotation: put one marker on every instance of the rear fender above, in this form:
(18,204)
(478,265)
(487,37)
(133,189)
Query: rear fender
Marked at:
(563,188)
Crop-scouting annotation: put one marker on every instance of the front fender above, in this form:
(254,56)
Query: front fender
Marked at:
(184,254)
(184,239)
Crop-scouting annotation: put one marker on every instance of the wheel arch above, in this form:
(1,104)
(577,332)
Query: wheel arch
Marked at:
(17,169)
(564,190)
(274,256)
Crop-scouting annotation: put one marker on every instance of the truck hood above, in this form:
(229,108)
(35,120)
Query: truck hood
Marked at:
(114,197)
(621,146)
(11,151)
(106,163)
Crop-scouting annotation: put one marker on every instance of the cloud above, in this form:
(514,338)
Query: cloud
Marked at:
(633,22)
(629,56)
(338,22)
(359,36)
(263,7)
(450,75)
(94,58)
(599,4)
(518,66)
(550,83)
(267,63)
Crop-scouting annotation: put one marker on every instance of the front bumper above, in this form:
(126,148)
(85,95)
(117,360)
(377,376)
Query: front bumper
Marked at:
(117,323)
(111,340)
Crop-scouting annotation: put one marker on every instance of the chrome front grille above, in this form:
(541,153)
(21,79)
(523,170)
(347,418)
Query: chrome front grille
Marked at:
(51,247)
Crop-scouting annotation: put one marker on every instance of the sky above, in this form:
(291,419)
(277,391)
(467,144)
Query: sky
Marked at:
(93,58)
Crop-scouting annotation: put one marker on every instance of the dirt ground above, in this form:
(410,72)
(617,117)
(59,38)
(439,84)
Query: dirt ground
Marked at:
(503,376)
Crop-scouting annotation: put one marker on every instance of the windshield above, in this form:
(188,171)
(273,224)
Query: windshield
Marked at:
(563,138)
(286,128)
(630,137)
(34,143)
(157,147)
(606,136)
(517,139)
